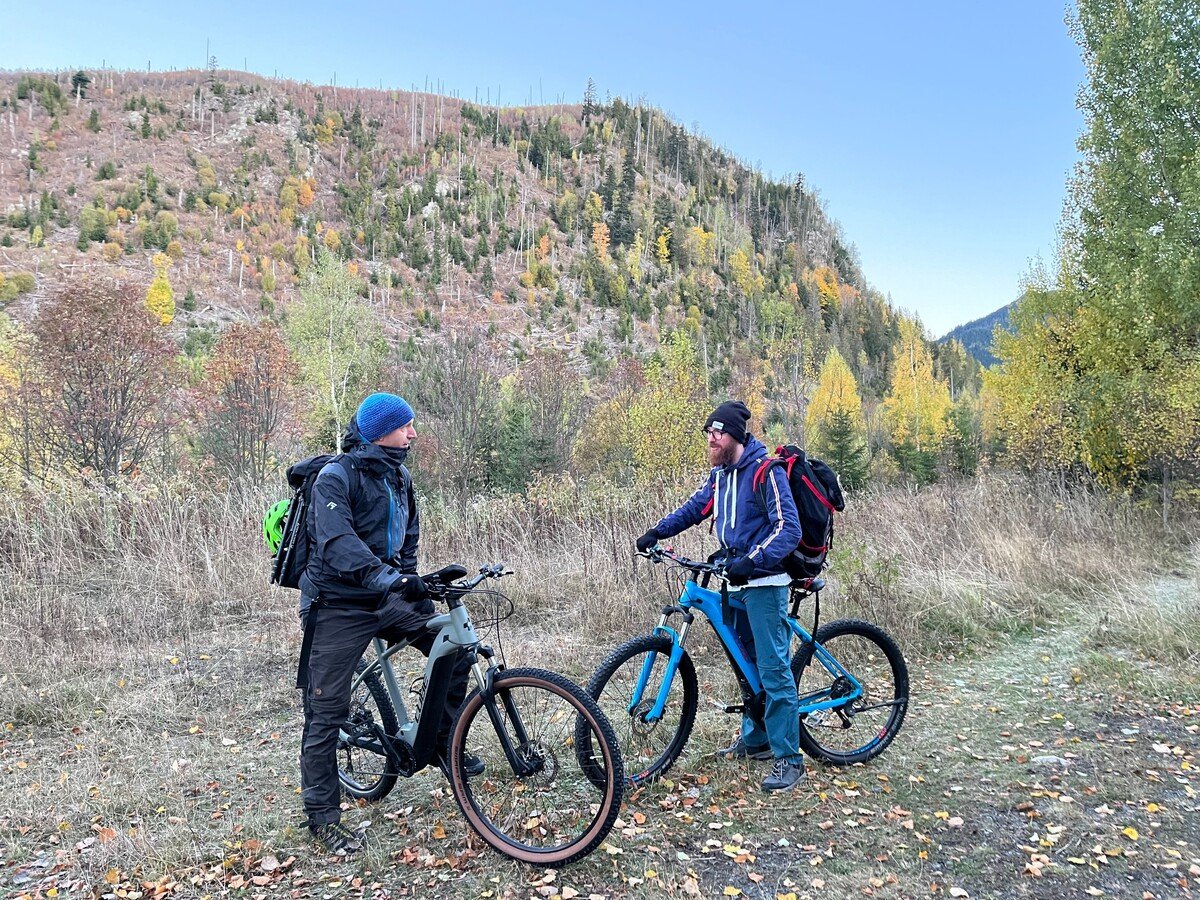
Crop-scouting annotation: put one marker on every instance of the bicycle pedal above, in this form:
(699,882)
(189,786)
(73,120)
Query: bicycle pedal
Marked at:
(734,707)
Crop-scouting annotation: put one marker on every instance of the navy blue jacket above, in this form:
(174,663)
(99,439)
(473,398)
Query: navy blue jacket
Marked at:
(762,524)
(363,524)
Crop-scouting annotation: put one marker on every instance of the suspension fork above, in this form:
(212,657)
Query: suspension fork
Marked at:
(521,766)
(672,666)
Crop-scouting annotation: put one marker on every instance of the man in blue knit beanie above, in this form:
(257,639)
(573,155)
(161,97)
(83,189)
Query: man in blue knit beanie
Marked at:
(361,582)
(382,414)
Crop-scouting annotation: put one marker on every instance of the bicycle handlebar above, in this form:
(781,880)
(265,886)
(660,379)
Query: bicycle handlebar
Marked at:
(438,585)
(658,554)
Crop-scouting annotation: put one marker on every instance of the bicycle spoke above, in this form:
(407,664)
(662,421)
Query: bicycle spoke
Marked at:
(871,685)
(546,801)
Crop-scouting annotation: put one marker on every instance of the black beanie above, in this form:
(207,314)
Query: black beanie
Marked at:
(730,418)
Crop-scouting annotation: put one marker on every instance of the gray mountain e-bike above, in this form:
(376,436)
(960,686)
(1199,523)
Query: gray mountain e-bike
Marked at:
(540,798)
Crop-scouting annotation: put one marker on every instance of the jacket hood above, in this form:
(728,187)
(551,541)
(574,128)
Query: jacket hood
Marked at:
(352,437)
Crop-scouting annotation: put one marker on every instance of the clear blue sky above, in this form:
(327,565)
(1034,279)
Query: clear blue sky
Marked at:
(939,134)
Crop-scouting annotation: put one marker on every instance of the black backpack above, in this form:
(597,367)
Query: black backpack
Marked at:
(818,495)
(291,559)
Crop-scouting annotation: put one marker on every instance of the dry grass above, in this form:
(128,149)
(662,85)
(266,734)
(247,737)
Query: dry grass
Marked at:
(963,562)
(138,635)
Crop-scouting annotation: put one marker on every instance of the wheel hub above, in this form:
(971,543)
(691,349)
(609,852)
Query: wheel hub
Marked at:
(541,758)
(841,687)
(641,726)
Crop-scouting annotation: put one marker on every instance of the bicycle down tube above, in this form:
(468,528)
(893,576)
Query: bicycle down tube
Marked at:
(709,603)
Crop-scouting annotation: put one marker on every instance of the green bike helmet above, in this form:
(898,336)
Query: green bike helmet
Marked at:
(273,525)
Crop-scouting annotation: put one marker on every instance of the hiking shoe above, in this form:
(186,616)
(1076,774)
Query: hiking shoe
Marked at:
(336,838)
(471,765)
(784,775)
(739,750)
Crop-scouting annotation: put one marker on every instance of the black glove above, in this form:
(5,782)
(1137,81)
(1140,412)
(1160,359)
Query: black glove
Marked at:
(411,589)
(646,541)
(739,570)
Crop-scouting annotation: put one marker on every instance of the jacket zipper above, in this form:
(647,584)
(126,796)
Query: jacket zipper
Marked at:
(391,506)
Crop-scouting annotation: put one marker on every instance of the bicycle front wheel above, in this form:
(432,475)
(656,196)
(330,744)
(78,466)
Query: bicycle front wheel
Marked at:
(649,746)
(861,728)
(533,800)
(364,769)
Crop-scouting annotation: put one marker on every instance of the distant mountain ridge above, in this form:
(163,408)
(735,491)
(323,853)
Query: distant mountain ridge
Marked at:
(976,336)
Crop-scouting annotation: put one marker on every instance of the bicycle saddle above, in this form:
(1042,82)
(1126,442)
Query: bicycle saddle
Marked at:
(446,574)
(812,585)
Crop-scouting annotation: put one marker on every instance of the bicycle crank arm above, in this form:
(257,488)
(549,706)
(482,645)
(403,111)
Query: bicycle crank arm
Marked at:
(398,754)
(888,705)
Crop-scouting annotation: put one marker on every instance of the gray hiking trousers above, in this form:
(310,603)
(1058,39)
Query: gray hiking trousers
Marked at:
(341,636)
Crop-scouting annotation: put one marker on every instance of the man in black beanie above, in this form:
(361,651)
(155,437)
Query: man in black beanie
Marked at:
(757,530)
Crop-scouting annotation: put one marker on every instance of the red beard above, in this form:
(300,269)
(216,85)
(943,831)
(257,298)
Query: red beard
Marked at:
(722,455)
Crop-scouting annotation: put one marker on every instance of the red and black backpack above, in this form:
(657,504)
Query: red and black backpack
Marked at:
(818,495)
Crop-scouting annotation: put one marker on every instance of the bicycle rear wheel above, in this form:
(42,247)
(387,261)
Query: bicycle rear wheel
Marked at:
(364,769)
(862,728)
(648,749)
(533,801)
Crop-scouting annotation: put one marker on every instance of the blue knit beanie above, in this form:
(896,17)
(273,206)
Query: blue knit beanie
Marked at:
(382,414)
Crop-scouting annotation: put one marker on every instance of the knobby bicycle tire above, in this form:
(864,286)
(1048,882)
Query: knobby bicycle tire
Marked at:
(553,814)
(365,774)
(871,655)
(648,749)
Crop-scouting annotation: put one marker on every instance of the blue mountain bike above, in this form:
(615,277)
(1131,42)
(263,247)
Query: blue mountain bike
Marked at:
(850,674)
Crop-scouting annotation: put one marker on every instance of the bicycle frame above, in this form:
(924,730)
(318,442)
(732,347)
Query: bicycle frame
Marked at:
(708,603)
(455,634)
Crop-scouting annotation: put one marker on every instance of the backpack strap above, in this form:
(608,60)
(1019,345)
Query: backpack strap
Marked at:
(816,493)
(353,477)
(763,472)
(310,628)
(708,507)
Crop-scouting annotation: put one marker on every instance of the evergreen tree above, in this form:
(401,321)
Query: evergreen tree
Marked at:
(622,220)
(589,102)
(79,83)
(841,443)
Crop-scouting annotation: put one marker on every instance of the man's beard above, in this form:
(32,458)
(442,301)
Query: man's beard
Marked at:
(722,456)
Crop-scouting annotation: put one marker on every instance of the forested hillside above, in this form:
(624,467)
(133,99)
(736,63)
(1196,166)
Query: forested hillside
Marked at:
(473,256)
(977,336)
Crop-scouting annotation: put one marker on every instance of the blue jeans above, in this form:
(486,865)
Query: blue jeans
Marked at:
(763,629)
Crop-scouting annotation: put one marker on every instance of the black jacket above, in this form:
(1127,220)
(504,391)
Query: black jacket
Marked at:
(363,524)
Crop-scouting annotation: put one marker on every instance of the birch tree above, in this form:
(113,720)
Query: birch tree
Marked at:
(338,341)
